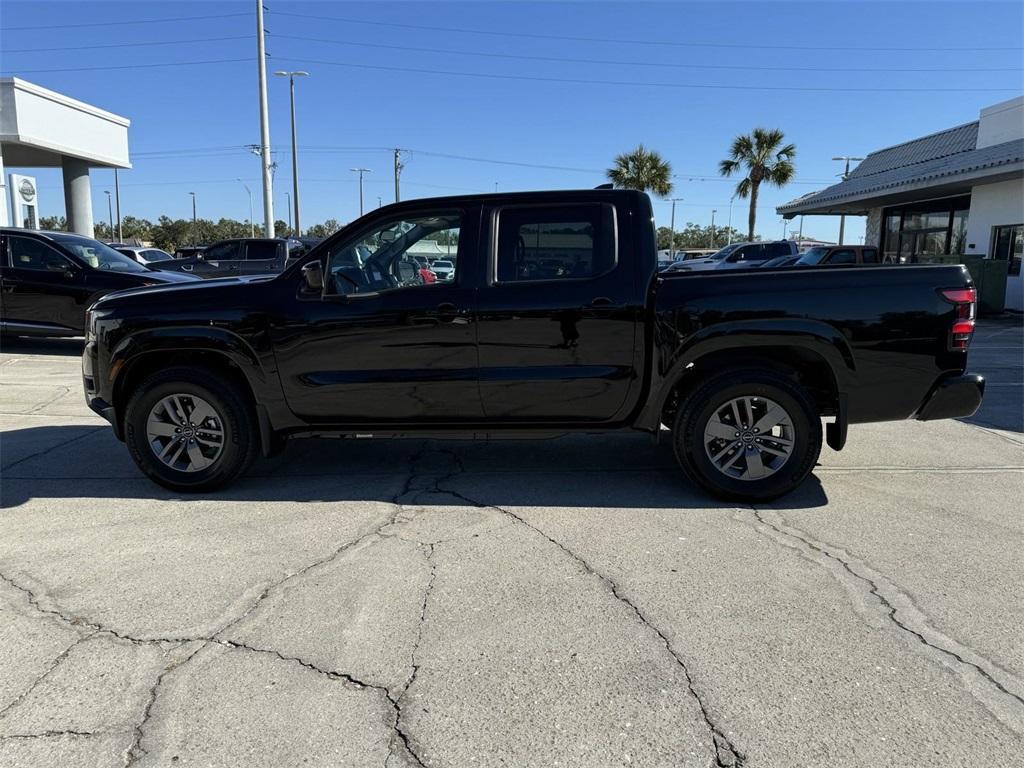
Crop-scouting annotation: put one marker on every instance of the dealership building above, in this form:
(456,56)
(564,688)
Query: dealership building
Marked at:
(40,128)
(958,192)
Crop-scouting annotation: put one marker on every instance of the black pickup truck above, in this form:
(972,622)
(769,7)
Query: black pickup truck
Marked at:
(556,321)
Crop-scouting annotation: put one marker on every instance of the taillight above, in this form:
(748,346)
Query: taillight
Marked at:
(965,300)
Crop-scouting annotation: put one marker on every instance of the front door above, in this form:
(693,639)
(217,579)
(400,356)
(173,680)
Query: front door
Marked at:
(219,260)
(557,333)
(379,345)
(43,290)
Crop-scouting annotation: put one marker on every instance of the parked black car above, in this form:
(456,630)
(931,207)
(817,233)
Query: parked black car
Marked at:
(199,379)
(237,256)
(49,278)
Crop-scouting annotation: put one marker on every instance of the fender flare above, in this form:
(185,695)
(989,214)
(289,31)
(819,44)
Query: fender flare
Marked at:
(812,336)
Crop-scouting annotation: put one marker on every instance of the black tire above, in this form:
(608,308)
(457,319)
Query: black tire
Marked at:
(698,408)
(241,432)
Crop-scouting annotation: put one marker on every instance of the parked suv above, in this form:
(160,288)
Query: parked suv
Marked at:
(238,256)
(838,255)
(741,256)
(49,278)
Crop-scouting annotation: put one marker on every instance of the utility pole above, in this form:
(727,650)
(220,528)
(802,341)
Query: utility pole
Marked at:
(268,179)
(193,217)
(729,225)
(361,171)
(846,174)
(801,235)
(288,204)
(713,212)
(398,172)
(117,205)
(110,214)
(672,230)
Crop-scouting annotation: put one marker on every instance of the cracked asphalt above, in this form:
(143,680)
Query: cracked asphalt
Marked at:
(566,602)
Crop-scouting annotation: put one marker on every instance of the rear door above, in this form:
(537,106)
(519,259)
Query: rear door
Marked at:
(219,260)
(263,256)
(556,328)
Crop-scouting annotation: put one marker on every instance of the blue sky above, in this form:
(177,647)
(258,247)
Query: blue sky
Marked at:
(692,83)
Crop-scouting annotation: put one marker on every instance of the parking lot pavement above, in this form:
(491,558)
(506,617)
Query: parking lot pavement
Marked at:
(565,602)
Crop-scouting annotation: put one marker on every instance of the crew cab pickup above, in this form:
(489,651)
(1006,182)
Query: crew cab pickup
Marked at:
(555,321)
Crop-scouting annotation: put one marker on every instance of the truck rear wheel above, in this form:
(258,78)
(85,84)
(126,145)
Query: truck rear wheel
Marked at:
(747,435)
(189,431)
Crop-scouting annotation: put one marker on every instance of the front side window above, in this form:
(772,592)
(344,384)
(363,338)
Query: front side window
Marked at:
(380,260)
(555,243)
(221,252)
(28,253)
(98,255)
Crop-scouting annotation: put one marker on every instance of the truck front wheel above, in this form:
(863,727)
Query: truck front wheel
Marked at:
(747,435)
(190,431)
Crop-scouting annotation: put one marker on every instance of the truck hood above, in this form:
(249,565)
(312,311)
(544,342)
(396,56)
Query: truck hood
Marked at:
(189,289)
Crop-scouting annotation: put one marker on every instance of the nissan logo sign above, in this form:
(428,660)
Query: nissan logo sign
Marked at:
(27,191)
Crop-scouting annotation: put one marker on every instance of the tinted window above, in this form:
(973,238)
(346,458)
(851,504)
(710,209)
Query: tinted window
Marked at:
(27,253)
(843,256)
(812,256)
(555,243)
(870,256)
(221,252)
(260,250)
(379,260)
(98,255)
(155,254)
(776,249)
(750,252)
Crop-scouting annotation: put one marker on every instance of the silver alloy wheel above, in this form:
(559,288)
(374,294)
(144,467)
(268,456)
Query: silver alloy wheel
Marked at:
(185,432)
(749,438)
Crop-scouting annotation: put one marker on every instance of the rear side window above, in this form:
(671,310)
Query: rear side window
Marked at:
(555,243)
(843,256)
(260,250)
(870,256)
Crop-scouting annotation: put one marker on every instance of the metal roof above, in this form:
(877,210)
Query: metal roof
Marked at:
(932,159)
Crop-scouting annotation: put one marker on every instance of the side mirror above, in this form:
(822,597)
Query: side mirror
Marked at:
(313,275)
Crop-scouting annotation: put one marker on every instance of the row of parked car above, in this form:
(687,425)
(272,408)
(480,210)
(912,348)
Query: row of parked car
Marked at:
(783,253)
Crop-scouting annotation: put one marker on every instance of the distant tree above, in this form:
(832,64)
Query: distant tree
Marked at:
(326,229)
(281,229)
(642,169)
(53,223)
(697,236)
(765,160)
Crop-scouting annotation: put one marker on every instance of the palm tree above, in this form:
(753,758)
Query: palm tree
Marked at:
(765,160)
(642,169)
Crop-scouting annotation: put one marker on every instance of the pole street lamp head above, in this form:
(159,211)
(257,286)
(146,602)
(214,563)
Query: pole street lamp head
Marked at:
(297,73)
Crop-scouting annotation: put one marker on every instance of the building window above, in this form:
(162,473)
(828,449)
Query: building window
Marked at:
(919,231)
(1008,245)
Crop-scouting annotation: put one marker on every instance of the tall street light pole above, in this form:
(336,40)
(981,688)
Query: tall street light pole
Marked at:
(846,174)
(729,226)
(117,206)
(360,171)
(252,225)
(110,213)
(713,212)
(672,229)
(268,177)
(288,204)
(193,217)
(295,156)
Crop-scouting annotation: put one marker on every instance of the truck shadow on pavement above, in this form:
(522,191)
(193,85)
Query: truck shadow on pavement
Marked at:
(625,471)
(55,347)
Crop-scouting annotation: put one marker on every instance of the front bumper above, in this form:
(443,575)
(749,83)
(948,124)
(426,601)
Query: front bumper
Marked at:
(953,397)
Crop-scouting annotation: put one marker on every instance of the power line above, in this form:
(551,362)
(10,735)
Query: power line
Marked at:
(125,23)
(129,45)
(635,83)
(128,66)
(616,62)
(689,44)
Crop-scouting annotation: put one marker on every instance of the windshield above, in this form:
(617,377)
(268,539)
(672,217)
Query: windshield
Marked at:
(812,256)
(97,255)
(725,252)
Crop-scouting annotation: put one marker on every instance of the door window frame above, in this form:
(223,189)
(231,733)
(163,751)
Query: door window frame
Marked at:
(70,263)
